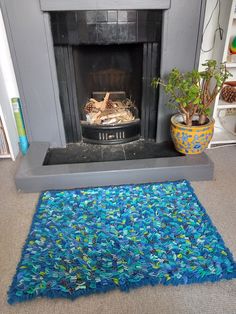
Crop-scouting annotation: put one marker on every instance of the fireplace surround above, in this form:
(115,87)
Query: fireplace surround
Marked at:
(29,31)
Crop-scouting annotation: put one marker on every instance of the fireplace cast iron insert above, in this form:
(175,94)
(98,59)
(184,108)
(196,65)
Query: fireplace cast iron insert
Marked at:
(111,134)
(110,118)
(107,51)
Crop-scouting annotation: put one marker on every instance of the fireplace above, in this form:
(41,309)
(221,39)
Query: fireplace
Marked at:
(115,51)
(53,41)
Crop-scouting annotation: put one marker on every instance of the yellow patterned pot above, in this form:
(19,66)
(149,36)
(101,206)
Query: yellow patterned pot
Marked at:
(193,139)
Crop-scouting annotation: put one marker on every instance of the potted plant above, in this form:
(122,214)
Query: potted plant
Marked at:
(192,94)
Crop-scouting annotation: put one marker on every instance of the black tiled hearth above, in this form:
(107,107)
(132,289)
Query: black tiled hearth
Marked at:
(84,153)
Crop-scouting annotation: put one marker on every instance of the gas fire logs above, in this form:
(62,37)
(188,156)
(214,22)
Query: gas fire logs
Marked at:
(108,111)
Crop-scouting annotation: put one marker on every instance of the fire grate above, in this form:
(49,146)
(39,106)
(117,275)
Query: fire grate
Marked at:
(110,134)
(121,123)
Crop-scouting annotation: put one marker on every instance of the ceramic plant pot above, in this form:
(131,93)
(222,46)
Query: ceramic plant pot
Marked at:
(193,139)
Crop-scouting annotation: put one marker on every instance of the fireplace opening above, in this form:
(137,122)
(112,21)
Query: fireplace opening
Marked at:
(113,72)
(108,68)
(115,52)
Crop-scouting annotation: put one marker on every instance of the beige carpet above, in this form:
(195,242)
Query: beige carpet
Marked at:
(218,197)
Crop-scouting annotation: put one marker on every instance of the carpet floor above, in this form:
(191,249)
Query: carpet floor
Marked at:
(218,196)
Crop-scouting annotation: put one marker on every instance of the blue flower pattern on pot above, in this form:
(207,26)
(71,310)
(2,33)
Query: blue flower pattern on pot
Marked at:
(189,140)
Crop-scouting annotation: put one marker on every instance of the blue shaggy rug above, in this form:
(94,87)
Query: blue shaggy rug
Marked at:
(96,239)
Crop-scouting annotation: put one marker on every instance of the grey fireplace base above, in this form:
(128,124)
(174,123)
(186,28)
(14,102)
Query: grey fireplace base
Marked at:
(32,176)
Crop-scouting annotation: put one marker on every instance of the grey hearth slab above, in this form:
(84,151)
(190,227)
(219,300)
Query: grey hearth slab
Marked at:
(32,176)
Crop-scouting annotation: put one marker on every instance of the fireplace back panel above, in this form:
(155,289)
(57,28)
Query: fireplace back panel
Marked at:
(108,68)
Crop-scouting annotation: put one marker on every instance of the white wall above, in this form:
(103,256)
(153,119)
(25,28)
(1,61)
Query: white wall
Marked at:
(208,38)
(6,63)
(8,90)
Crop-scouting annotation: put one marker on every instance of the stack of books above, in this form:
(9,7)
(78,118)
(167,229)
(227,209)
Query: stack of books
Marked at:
(4,149)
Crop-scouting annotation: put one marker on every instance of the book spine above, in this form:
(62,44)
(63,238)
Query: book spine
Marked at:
(23,141)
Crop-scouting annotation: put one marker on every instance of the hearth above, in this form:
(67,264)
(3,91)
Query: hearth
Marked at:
(88,153)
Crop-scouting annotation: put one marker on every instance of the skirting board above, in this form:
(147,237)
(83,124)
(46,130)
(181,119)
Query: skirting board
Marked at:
(32,176)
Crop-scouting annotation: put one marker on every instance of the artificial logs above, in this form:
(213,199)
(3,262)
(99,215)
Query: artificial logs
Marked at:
(108,111)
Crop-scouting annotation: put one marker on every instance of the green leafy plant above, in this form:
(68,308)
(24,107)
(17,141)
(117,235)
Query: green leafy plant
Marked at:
(192,93)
